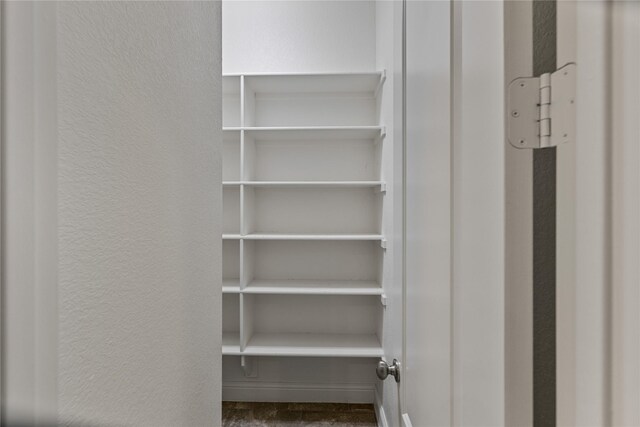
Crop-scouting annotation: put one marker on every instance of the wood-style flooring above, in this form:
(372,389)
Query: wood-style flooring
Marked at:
(259,414)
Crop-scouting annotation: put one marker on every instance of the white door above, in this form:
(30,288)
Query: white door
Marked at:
(427,364)
(454,168)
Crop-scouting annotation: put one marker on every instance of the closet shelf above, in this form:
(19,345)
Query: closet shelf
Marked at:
(314,82)
(231,343)
(314,132)
(313,287)
(230,286)
(230,236)
(291,236)
(314,345)
(304,158)
(323,184)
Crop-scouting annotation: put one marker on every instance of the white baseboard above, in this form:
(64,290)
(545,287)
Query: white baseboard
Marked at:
(380,414)
(243,391)
(406,421)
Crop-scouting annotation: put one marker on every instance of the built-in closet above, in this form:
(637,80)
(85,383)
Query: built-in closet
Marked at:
(307,186)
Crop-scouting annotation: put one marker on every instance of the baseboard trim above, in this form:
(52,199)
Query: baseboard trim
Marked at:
(380,414)
(406,421)
(297,392)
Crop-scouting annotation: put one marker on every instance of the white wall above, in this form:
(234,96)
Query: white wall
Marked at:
(136,191)
(298,36)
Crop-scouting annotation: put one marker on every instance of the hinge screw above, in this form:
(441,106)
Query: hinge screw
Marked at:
(515,114)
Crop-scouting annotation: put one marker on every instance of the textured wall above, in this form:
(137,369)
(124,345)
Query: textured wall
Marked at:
(139,212)
(298,36)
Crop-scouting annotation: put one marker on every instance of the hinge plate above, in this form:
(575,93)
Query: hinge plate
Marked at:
(530,108)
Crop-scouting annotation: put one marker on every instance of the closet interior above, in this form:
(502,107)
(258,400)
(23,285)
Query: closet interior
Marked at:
(307,183)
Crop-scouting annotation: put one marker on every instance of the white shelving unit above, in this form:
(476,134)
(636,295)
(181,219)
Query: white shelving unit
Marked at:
(303,194)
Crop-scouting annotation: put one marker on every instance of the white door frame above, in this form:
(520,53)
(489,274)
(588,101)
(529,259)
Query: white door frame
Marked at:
(470,328)
(478,203)
(597,222)
(29,212)
(598,218)
(625,374)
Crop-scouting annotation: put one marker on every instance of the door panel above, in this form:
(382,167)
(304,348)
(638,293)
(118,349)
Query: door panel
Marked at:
(428,214)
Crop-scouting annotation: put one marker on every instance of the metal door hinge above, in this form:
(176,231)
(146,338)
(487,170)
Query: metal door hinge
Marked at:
(541,111)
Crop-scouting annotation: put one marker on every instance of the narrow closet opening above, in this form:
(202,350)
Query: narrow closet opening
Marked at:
(307,197)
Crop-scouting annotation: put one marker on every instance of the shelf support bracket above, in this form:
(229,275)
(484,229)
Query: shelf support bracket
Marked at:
(383,243)
(249,366)
(383,77)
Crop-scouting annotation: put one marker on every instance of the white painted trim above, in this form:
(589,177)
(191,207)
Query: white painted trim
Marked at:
(30,210)
(298,392)
(592,208)
(625,63)
(565,239)
(478,214)
(381,416)
(406,421)
(518,21)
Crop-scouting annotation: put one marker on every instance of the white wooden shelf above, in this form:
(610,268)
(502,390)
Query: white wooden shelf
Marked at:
(231,343)
(231,286)
(314,82)
(314,345)
(287,236)
(302,166)
(284,133)
(230,237)
(292,236)
(321,184)
(313,287)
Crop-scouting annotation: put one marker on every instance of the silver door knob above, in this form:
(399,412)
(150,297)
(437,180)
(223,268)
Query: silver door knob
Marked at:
(383,370)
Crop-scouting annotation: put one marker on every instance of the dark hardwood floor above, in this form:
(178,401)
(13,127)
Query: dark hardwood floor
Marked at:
(255,414)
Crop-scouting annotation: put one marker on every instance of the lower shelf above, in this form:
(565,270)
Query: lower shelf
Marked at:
(314,287)
(291,236)
(314,345)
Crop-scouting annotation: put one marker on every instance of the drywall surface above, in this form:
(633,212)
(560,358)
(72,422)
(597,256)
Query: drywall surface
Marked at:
(139,118)
(298,36)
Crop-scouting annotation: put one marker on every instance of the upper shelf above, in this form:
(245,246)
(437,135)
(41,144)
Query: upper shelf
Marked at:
(291,133)
(312,82)
(315,132)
